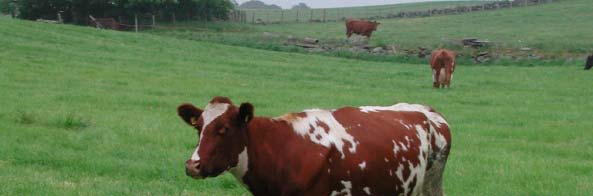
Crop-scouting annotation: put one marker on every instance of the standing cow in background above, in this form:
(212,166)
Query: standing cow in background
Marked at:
(443,66)
(589,63)
(361,27)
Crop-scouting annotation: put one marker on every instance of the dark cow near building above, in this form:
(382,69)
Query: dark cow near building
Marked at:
(394,150)
(589,62)
(360,27)
(442,63)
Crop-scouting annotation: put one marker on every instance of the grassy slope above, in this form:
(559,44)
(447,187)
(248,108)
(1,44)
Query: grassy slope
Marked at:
(556,30)
(92,112)
(348,12)
(554,27)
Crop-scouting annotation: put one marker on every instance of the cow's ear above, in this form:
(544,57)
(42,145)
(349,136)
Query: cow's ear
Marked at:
(245,113)
(189,113)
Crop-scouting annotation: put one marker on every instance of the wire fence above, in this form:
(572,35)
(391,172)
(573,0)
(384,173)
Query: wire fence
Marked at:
(139,22)
(261,16)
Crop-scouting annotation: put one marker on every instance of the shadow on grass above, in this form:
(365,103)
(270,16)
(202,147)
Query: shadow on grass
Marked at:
(71,121)
(25,117)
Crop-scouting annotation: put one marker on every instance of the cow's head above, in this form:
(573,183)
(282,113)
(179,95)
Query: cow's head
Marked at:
(589,63)
(221,127)
(375,25)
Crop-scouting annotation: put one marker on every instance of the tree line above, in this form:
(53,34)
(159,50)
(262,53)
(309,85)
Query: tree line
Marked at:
(78,11)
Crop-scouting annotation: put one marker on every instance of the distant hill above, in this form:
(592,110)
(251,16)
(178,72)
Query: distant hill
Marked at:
(301,6)
(254,4)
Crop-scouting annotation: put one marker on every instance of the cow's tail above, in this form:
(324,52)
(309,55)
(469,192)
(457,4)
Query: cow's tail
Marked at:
(440,133)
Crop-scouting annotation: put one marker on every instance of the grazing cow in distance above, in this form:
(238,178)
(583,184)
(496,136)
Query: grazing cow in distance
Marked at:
(361,27)
(442,63)
(589,62)
(371,150)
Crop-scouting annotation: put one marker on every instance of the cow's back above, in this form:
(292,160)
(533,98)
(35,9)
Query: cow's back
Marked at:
(394,149)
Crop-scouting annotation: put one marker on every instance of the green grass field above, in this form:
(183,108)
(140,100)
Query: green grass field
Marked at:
(559,32)
(348,12)
(554,27)
(92,112)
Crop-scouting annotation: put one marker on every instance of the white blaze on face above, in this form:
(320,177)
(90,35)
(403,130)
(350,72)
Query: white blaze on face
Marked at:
(211,112)
(336,135)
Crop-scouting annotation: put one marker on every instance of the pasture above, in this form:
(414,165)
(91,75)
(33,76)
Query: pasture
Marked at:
(554,27)
(92,112)
(557,33)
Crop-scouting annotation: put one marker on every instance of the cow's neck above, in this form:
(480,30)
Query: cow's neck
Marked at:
(267,146)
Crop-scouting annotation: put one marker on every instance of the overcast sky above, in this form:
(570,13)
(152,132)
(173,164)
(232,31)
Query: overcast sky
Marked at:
(334,3)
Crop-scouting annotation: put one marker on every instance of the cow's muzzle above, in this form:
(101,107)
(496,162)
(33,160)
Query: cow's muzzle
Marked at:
(192,169)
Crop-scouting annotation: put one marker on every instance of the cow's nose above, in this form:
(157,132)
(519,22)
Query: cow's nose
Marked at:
(192,168)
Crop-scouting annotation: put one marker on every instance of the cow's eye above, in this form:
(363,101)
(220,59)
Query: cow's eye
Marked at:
(222,131)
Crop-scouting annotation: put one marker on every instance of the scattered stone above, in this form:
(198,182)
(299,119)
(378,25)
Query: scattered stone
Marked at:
(378,50)
(423,52)
(308,40)
(291,39)
(359,40)
(474,42)
(525,49)
(269,35)
(482,57)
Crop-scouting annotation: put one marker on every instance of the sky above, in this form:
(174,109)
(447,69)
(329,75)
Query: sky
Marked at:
(286,4)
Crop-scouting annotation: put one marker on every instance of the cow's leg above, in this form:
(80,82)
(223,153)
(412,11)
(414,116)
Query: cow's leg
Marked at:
(442,77)
(448,80)
(348,33)
(435,77)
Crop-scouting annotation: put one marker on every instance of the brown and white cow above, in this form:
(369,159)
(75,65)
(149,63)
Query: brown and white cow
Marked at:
(442,63)
(393,150)
(360,27)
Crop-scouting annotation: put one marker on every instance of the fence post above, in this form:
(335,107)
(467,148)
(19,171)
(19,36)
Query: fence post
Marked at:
(60,17)
(253,17)
(282,16)
(136,22)
(174,18)
(297,15)
(153,21)
(311,18)
(324,13)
